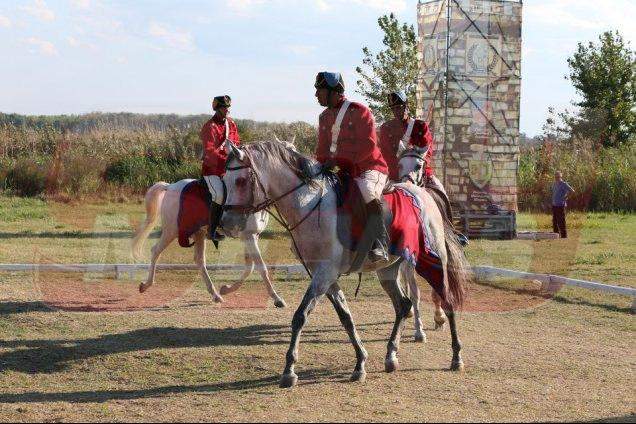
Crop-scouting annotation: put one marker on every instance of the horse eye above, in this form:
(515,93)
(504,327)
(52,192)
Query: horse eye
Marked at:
(241,182)
(418,167)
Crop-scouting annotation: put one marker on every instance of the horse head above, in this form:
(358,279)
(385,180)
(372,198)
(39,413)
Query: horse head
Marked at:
(411,165)
(256,176)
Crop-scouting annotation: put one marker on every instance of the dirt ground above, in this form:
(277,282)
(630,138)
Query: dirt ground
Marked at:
(197,361)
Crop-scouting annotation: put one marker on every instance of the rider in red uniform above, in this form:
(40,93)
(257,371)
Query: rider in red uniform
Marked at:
(347,139)
(395,136)
(213,135)
(393,132)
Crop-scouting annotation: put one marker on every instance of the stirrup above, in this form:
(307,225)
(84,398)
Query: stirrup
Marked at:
(462,239)
(215,236)
(377,255)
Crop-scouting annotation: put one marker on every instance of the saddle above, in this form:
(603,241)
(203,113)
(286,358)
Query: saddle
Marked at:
(409,234)
(194,210)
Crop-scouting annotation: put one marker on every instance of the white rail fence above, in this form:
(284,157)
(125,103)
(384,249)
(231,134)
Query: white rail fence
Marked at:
(486,273)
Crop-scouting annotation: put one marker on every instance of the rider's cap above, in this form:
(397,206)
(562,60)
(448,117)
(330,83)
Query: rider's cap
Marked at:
(330,80)
(397,98)
(221,101)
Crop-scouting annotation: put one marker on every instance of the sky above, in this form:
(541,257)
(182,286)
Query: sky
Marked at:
(160,56)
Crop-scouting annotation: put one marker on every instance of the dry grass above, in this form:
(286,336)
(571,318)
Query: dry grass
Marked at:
(172,354)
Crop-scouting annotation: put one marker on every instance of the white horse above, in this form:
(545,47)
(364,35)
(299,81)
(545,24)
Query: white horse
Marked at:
(411,167)
(269,175)
(163,199)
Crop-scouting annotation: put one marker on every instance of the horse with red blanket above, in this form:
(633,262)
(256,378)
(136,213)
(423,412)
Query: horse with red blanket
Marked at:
(268,175)
(184,210)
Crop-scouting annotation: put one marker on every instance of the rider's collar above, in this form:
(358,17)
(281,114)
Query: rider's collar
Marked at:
(217,118)
(339,104)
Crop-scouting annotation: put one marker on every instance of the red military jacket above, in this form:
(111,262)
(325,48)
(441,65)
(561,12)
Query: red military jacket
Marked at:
(213,137)
(391,132)
(357,149)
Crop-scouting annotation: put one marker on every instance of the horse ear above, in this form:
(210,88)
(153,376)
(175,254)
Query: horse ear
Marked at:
(276,138)
(293,140)
(240,155)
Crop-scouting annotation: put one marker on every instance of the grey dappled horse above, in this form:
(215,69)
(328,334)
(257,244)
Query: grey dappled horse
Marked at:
(163,199)
(269,175)
(411,167)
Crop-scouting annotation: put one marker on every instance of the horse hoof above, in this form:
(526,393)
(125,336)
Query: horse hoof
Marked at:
(280,303)
(457,366)
(217,298)
(420,337)
(226,289)
(142,288)
(359,376)
(391,365)
(410,313)
(439,325)
(288,380)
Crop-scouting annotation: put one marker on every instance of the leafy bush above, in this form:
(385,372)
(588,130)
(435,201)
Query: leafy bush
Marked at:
(27,177)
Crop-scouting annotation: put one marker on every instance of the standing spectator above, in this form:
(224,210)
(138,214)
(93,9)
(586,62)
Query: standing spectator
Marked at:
(560,192)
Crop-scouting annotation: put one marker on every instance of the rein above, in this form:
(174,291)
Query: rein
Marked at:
(407,177)
(268,203)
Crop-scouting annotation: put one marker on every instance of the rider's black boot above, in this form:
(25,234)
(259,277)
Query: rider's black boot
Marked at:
(216,211)
(375,225)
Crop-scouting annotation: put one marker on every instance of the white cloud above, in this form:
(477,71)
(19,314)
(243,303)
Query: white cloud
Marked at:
(74,42)
(174,38)
(558,14)
(40,10)
(300,49)
(323,5)
(243,4)
(81,4)
(44,47)
(384,5)
(380,5)
(5,22)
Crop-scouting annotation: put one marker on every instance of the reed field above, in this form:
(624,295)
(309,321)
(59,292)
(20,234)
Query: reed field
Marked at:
(120,155)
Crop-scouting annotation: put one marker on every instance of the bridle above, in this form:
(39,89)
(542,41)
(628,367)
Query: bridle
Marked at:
(407,177)
(270,203)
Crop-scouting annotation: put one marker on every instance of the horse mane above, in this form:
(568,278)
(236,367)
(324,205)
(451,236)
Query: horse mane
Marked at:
(298,163)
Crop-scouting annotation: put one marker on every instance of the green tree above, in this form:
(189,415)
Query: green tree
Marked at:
(393,68)
(604,75)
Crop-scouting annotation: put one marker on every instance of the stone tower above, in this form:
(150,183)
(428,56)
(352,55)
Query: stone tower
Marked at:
(469,90)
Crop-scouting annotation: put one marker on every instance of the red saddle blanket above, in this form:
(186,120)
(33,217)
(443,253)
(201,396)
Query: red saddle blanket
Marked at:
(409,233)
(194,210)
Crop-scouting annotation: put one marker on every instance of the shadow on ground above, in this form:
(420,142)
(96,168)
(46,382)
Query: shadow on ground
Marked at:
(312,376)
(51,356)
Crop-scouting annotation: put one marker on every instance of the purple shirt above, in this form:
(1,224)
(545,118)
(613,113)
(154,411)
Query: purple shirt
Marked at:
(560,191)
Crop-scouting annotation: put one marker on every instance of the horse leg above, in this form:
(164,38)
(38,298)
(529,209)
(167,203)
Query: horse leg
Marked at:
(307,304)
(164,241)
(402,305)
(249,267)
(261,267)
(456,364)
(199,259)
(438,317)
(414,290)
(337,298)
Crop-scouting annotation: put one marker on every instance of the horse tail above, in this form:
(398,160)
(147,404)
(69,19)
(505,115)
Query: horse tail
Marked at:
(153,199)
(457,268)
